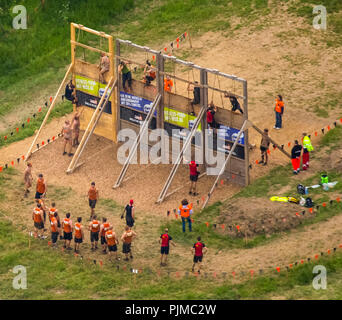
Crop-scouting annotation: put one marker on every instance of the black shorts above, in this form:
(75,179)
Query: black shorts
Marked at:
(54,237)
(193,178)
(164,250)
(94,236)
(149,78)
(103,240)
(67,236)
(113,248)
(263,149)
(39,225)
(126,248)
(198,259)
(38,195)
(92,203)
(78,240)
(130,222)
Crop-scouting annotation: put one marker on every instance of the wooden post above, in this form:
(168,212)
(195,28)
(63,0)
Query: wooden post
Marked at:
(118,105)
(190,40)
(245,115)
(204,103)
(112,98)
(73,53)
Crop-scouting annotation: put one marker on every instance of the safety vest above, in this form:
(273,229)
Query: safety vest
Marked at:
(53,224)
(105,228)
(110,238)
(185,212)
(95,226)
(78,232)
(37,215)
(307,144)
(67,225)
(40,185)
(279,105)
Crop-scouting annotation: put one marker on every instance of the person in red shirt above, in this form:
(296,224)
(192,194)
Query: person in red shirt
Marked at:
(198,250)
(165,241)
(211,116)
(193,178)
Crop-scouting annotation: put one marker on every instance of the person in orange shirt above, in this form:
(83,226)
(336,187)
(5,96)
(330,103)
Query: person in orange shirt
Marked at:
(93,196)
(168,84)
(40,187)
(185,211)
(112,242)
(127,238)
(105,226)
(149,73)
(67,231)
(52,211)
(94,228)
(37,217)
(54,229)
(79,235)
(279,110)
(42,207)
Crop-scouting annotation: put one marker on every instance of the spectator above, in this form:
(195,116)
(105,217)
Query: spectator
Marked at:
(185,211)
(307,147)
(295,156)
(279,111)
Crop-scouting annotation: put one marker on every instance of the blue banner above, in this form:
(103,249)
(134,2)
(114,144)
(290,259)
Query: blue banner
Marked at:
(229,133)
(135,102)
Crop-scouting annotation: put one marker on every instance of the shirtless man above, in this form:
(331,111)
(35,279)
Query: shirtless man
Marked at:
(75,125)
(28,178)
(104,67)
(67,134)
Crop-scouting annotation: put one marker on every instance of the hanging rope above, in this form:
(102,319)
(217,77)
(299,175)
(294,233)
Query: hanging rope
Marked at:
(212,94)
(222,102)
(174,74)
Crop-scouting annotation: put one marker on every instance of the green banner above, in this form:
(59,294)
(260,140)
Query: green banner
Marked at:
(179,118)
(88,85)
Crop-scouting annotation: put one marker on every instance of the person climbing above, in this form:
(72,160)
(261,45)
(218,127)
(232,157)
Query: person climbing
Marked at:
(165,240)
(195,88)
(28,178)
(94,228)
(40,187)
(53,213)
(104,67)
(75,126)
(126,74)
(54,229)
(193,178)
(307,148)
(93,196)
(211,116)
(127,238)
(79,235)
(185,211)
(149,73)
(168,84)
(69,92)
(112,242)
(67,134)
(279,111)
(67,231)
(37,217)
(198,250)
(105,226)
(234,102)
(129,209)
(264,146)
(295,156)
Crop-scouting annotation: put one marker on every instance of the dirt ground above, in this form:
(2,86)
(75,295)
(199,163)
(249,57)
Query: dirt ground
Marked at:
(272,65)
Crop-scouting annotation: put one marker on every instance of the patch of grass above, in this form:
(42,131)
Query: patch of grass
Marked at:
(333,138)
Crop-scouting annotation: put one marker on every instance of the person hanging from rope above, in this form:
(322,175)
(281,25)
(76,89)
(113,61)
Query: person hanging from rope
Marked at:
(307,147)
(94,228)
(165,240)
(67,231)
(127,238)
(279,111)
(195,88)
(295,157)
(28,178)
(185,211)
(211,116)
(234,102)
(129,210)
(264,146)
(149,73)
(75,126)
(126,74)
(198,250)
(93,196)
(67,135)
(168,84)
(69,93)
(194,173)
(79,234)
(104,67)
